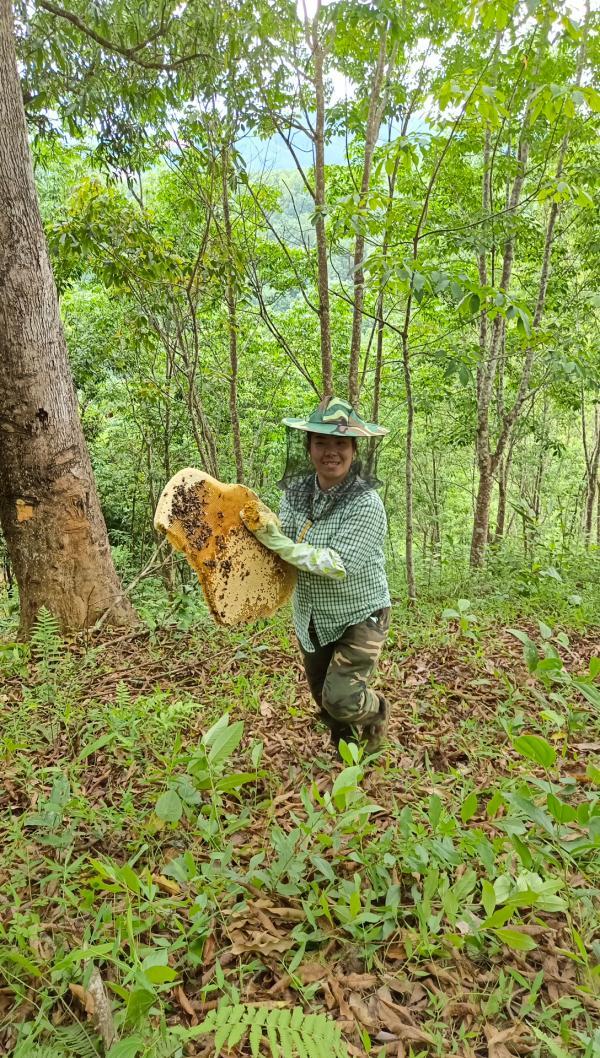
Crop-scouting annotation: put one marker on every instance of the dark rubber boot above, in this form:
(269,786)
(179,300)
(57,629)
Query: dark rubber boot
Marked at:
(375,733)
(338,731)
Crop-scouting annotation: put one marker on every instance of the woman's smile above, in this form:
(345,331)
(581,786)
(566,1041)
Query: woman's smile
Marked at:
(332,458)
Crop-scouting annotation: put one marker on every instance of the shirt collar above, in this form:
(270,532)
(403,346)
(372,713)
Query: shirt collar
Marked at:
(322,493)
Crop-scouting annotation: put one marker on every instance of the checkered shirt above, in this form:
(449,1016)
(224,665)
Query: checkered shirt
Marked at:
(355,528)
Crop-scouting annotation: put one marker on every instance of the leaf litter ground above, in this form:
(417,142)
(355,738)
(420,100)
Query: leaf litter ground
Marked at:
(415,961)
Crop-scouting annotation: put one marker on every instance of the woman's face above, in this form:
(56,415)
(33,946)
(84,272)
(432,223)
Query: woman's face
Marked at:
(331,457)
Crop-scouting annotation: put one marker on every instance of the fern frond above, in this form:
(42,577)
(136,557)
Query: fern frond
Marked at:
(46,640)
(288,1033)
(73,1041)
(122,695)
(33,1050)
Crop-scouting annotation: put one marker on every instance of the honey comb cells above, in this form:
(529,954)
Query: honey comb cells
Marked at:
(241,580)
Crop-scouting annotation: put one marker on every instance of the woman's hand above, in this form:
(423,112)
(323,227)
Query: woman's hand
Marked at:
(322,561)
(257,517)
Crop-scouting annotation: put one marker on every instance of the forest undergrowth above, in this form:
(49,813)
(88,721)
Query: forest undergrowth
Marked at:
(186,868)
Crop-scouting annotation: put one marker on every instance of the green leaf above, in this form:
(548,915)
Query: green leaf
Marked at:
(139,1003)
(522,851)
(563,813)
(494,804)
(536,749)
(346,780)
(169,807)
(127,1048)
(488,896)
(468,807)
(573,31)
(590,693)
(160,975)
(530,653)
(229,783)
(499,917)
(516,940)
(98,743)
(435,810)
(225,742)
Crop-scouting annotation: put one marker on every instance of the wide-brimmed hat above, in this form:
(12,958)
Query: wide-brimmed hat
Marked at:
(337,417)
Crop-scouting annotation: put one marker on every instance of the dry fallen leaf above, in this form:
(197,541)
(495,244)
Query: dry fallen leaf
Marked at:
(288,914)
(497,1038)
(361,982)
(337,991)
(309,972)
(412,1034)
(418,996)
(390,1013)
(400,985)
(83,996)
(184,1002)
(166,884)
(362,1011)
(263,943)
(390,1019)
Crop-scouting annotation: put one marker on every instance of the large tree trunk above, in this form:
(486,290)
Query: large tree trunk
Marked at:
(49,509)
(481,518)
(503,479)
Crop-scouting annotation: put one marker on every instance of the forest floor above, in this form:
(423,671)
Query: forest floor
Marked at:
(439,899)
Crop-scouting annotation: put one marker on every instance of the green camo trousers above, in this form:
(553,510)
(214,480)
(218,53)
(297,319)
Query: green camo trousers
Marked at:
(339,673)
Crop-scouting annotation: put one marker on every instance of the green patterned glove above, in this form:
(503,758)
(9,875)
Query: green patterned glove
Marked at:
(323,561)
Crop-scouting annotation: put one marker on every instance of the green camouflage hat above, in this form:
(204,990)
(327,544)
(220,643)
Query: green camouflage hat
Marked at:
(335,416)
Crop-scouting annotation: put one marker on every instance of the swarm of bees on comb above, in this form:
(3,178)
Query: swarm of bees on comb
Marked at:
(241,580)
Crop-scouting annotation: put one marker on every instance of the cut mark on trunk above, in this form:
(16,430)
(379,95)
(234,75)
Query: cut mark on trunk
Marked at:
(24,511)
(42,417)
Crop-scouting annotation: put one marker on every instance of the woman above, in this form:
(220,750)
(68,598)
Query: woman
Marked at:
(333,526)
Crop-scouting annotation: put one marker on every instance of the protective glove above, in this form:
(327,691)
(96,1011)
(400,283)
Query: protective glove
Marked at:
(323,561)
(256,516)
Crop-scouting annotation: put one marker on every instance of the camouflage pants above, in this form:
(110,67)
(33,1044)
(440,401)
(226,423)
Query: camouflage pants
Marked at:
(339,673)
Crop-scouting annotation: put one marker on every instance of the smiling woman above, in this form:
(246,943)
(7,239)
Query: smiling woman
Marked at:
(333,526)
(331,457)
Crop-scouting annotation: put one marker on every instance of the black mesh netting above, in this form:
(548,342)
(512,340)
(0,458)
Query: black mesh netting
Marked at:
(298,478)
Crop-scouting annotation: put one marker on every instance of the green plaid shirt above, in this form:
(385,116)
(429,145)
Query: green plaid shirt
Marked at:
(355,528)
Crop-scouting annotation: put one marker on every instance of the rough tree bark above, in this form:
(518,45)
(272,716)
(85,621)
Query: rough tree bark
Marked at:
(503,479)
(49,509)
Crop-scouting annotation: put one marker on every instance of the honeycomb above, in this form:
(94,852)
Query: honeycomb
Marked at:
(241,579)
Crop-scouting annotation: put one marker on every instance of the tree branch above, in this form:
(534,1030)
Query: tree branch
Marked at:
(131,54)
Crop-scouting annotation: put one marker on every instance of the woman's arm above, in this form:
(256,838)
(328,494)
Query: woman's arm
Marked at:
(322,561)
